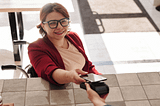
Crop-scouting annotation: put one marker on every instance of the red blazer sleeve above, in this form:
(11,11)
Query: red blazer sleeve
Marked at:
(43,61)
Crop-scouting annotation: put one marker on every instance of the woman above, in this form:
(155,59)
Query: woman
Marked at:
(59,56)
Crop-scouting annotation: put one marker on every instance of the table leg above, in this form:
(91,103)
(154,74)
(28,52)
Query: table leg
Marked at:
(12,21)
(20,25)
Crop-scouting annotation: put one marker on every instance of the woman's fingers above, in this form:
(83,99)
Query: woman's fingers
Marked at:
(77,79)
(81,72)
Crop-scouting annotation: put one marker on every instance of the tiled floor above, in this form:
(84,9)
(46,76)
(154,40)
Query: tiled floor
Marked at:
(120,36)
(133,89)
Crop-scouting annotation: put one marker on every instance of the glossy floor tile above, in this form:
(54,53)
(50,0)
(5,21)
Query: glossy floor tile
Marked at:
(112,80)
(18,98)
(133,93)
(14,85)
(128,79)
(37,84)
(138,103)
(152,91)
(81,96)
(31,98)
(1,84)
(155,102)
(58,97)
(149,78)
(114,95)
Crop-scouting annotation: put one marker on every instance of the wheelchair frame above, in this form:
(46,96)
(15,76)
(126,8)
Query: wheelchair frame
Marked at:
(30,70)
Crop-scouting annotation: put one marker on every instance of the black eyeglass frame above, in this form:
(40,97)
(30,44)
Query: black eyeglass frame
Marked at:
(58,21)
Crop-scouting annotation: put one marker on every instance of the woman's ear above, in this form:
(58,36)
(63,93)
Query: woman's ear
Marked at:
(42,25)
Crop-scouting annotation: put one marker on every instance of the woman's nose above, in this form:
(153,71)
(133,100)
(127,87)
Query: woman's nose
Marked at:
(59,26)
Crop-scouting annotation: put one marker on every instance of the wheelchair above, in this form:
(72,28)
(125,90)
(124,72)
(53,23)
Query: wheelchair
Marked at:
(28,71)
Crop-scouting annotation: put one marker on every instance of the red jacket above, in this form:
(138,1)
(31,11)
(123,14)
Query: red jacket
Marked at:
(45,58)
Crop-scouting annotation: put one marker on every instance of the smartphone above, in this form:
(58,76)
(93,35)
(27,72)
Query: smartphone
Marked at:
(93,77)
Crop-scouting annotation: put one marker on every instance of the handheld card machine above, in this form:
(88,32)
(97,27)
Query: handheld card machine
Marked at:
(96,83)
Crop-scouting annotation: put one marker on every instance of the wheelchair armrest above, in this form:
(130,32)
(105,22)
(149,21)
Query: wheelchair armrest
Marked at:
(18,42)
(7,67)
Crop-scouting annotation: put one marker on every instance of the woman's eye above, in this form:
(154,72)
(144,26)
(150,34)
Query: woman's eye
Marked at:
(63,21)
(52,22)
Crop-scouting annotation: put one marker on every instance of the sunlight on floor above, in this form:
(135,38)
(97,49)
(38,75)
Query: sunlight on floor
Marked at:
(132,46)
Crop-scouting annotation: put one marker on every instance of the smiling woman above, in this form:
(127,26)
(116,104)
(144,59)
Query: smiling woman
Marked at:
(47,9)
(59,56)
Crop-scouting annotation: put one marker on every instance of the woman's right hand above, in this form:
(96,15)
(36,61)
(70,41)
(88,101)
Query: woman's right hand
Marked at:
(62,76)
(74,76)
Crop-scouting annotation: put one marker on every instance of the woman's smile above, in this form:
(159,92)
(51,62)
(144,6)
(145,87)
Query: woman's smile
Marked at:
(59,32)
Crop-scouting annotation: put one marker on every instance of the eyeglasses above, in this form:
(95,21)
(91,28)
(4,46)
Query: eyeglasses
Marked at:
(54,23)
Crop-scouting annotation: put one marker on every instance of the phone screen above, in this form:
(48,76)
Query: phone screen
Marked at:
(93,77)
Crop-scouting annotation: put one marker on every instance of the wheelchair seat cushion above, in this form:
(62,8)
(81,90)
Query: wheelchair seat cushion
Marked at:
(32,72)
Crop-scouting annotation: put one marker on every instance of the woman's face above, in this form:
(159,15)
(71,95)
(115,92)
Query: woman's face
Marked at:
(57,33)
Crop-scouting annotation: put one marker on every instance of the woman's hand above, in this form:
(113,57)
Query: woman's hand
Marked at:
(74,76)
(63,76)
(94,97)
